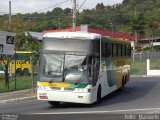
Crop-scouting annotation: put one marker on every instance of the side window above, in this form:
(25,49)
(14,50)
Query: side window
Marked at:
(114,49)
(97,46)
(128,49)
(103,49)
(109,49)
(121,50)
(125,48)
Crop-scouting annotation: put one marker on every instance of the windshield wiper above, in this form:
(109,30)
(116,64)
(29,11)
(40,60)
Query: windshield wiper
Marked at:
(78,81)
(51,81)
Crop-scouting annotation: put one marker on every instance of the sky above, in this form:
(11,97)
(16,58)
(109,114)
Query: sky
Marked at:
(31,6)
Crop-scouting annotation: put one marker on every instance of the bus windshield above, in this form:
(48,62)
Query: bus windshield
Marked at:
(74,69)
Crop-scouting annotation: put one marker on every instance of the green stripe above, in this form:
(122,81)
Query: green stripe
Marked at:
(81,86)
(77,86)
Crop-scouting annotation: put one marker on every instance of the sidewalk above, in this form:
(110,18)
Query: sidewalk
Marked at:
(17,95)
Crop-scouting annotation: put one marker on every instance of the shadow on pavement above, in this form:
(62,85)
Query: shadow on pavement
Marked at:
(134,90)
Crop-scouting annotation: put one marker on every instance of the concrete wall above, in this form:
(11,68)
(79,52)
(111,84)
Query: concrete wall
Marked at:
(151,72)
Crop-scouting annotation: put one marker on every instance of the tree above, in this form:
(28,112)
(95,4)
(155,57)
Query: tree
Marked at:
(5,60)
(139,24)
(100,6)
(18,26)
(33,45)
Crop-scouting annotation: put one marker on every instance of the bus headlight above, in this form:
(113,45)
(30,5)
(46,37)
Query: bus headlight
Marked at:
(41,87)
(83,90)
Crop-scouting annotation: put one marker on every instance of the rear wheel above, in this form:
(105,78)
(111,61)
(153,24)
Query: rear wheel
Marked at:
(19,72)
(53,103)
(26,72)
(123,83)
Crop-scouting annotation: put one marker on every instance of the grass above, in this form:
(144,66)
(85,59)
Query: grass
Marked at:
(155,63)
(23,82)
(139,67)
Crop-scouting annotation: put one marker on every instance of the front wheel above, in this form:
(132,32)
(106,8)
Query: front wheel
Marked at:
(53,103)
(99,94)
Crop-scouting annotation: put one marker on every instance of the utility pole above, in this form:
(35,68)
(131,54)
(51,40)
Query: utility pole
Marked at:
(10,30)
(74,16)
(8,57)
(136,32)
(9,27)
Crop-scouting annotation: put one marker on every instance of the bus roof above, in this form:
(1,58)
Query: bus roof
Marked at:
(120,40)
(76,35)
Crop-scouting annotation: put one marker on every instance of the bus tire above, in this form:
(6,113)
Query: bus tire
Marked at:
(19,72)
(123,83)
(26,72)
(53,103)
(128,77)
(99,94)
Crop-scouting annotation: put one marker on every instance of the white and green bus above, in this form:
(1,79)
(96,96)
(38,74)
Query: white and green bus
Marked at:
(81,67)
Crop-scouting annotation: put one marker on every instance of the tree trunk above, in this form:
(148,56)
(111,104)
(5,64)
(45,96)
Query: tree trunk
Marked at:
(6,72)
(6,75)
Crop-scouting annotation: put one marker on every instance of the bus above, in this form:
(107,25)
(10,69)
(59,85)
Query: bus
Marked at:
(22,66)
(81,67)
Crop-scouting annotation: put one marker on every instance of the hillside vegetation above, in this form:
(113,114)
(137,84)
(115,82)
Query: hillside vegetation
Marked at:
(142,16)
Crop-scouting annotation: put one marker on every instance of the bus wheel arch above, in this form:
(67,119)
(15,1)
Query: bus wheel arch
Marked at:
(99,93)
(123,82)
(26,72)
(127,77)
(54,103)
(18,71)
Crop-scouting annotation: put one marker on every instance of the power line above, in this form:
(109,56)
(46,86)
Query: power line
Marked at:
(3,12)
(74,16)
(44,17)
(48,7)
(53,5)
(82,4)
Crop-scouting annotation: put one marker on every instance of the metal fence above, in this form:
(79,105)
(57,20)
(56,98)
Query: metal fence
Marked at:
(145,55)
(19,82)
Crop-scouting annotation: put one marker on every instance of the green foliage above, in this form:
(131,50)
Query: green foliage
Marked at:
(146,49)
(138,67)
(32,44)
(130,16)
(21,83)
(100,7)
(20,42)
(156,48)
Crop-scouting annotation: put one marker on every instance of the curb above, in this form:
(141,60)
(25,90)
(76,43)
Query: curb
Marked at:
(17,99)
(15,92)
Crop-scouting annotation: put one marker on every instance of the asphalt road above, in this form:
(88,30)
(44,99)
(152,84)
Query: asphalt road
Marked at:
(140,96)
